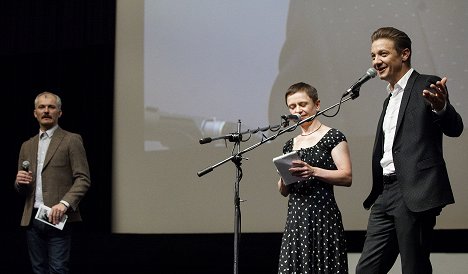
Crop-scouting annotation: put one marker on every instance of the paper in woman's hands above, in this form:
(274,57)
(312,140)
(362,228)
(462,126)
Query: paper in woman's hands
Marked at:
(43,216)
(283,163)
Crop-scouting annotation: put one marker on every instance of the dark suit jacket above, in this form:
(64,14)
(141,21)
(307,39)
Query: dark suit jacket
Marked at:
(417,149)
(65,174)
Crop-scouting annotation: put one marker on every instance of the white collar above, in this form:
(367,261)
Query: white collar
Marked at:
(49,132)
(401,84)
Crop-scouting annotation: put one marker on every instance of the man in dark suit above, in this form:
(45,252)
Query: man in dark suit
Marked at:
(410,179)
(58,177)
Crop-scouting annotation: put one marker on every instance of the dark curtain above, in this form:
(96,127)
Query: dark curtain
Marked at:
(66,47)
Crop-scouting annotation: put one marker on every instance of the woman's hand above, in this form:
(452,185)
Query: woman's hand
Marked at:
(302,169)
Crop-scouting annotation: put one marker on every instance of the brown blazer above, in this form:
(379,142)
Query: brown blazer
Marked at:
(65,175)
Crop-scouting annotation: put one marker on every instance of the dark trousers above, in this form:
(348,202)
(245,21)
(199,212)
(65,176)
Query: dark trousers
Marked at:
(49,247)
(394,229)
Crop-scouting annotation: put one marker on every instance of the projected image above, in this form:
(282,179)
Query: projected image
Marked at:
(188,70)
(208,64)
(223,62)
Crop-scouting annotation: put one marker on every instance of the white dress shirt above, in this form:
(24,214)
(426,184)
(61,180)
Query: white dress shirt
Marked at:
(390,121)
(44,141)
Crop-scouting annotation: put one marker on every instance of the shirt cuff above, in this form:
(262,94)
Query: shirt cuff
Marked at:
(65,203)
(442,111)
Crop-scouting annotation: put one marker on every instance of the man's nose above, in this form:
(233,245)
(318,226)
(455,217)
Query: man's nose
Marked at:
(376,60)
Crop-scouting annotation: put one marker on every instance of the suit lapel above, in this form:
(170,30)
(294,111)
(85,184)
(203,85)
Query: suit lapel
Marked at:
(379,135)
(382,115)
(54,144)
(33,154)
(405,99)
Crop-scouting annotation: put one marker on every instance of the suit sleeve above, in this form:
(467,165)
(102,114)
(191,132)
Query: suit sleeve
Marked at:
(80,172)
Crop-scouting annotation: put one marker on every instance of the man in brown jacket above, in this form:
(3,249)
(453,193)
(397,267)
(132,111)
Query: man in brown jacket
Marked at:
(52,171)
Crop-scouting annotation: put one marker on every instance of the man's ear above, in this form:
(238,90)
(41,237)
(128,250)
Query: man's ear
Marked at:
(405,54)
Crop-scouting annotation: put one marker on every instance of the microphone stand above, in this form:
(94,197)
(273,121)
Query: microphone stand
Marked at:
(237,160)
(237,211)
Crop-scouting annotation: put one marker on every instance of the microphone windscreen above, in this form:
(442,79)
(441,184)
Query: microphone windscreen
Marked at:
(371,72)
(25,165)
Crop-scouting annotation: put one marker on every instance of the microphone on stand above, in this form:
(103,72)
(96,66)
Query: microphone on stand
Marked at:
(205,140)
(294,117)
(370,73)
(287,118)
(232,137)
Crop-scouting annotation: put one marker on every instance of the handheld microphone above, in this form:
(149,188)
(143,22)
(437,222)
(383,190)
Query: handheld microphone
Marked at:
(294,117)
(370,73)
(25,166)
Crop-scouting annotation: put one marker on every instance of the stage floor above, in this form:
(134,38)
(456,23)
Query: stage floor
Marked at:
(453,263)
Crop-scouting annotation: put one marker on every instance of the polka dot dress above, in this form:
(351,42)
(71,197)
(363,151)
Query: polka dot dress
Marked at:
(313,239)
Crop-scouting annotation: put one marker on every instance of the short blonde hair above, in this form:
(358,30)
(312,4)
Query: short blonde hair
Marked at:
(57,98)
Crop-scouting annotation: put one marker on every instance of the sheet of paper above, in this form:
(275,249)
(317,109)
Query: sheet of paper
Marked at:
(43,213)
(283,163)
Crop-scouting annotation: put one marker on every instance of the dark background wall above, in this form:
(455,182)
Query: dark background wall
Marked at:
(67,47)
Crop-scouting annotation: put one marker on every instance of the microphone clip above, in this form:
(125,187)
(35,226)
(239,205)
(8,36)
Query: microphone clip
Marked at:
(355,93)
(285,121)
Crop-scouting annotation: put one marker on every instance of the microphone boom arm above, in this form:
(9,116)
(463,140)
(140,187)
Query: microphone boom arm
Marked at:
(353,96)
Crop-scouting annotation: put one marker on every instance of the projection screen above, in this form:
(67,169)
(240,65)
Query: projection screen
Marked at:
(187,70)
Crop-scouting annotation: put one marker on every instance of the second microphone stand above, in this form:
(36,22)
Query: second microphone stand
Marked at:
(236,158)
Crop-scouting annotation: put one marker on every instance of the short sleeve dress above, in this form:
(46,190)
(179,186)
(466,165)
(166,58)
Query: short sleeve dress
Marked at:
(313,239)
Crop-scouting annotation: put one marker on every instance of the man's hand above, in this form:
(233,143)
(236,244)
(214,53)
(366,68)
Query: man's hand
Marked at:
(24,177)
(56,213)
(437,95)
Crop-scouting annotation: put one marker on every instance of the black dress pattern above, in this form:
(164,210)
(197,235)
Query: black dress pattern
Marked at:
(313,239)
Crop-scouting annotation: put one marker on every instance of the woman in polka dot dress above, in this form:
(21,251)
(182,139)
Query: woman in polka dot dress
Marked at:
(313,239)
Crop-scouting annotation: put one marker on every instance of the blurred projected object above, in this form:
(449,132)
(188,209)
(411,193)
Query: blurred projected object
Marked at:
(164,131)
